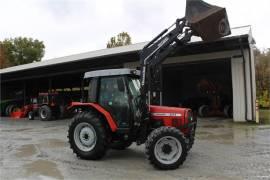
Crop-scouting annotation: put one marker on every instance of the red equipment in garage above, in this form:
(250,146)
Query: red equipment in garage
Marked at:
(21,112)
(48,106)
(213,90)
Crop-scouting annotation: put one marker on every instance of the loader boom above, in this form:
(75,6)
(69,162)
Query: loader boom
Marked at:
(202,19)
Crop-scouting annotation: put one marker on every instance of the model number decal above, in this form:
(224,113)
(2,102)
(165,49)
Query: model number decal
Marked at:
(167,114)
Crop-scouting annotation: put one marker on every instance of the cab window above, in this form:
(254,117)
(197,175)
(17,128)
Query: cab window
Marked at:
(114,98)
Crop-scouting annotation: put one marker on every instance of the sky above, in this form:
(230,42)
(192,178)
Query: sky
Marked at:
(74,26)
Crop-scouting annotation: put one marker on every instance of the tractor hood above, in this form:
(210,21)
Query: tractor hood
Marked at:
(165,111)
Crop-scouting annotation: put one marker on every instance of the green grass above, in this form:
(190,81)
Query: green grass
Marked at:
(264,115)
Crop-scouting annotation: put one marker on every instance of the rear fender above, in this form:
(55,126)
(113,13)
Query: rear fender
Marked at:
(98,108)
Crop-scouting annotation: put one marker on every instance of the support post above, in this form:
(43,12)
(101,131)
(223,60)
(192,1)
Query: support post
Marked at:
(257,112)
(24,93)
(50,85)
(82,90)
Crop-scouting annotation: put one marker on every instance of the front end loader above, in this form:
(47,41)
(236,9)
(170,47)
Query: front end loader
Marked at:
(124,105)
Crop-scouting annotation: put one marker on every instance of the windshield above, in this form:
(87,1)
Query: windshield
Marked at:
(134,86)
(43,99)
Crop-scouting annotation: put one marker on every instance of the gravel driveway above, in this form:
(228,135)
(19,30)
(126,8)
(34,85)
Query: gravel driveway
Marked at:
(222,150)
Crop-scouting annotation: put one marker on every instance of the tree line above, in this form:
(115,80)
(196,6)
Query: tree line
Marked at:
(262,64)
(20,50)
(23,50)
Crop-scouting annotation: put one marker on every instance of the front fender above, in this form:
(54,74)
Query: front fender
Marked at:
(97,107)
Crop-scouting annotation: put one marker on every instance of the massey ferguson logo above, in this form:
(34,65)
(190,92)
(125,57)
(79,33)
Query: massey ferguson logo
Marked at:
(166,114)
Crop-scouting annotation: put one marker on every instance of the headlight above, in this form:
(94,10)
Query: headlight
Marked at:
(189,116)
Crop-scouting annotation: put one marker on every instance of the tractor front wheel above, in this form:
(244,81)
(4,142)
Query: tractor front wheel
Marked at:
(87,136)
(45,113)
(166,148)
(191,138)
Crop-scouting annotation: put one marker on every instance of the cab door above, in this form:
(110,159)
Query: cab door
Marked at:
(113,96)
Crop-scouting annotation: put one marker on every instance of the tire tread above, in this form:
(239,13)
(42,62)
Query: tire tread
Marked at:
(95,120)
(152,138)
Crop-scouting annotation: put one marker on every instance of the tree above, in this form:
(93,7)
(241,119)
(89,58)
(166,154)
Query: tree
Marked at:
(22,50)
(122,39)
(263,77)
(3,59)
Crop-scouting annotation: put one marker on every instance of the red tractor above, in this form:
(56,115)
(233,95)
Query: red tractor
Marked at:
(48,106)
(124,105)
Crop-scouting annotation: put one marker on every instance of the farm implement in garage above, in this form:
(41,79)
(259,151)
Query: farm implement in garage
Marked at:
(46,106)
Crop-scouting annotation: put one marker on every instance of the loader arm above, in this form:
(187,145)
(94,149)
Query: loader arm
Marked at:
(155,52)
(202,19)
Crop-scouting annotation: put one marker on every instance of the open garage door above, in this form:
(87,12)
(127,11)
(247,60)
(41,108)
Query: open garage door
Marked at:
(206,87)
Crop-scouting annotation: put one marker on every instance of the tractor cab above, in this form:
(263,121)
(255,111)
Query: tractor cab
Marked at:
(117,91)
(47,98)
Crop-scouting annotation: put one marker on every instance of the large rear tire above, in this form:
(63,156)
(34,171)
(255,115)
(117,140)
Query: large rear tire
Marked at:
(203,111)
(228,111)
(87,136)
(166,148)
(191,138)
(45,113)
(9,109)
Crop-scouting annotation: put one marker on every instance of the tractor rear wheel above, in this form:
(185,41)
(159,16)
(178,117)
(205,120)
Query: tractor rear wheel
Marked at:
(31,115)
(87,136)
(166,148)
(203,111)
(228,111)
(9,109)
(45,113)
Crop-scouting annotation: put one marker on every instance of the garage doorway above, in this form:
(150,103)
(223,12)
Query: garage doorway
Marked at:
(206,87)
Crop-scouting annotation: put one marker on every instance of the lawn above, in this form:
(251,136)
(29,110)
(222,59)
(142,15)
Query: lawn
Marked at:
(264,116)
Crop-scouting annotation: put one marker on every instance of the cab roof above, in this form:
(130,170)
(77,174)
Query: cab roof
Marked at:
(111,72)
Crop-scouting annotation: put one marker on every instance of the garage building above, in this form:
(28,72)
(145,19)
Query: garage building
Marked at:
(202,73)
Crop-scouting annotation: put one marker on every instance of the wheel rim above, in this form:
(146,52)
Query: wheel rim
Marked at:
(29,115)
(168,150)
(43,113)
(85,136)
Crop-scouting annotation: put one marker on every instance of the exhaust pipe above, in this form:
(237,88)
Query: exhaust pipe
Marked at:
(207,21)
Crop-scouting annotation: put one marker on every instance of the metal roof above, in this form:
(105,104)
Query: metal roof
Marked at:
(236,32)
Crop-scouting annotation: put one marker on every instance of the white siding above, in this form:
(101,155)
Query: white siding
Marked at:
(238,89)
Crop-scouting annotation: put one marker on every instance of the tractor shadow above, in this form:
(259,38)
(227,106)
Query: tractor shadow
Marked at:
(130,153)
